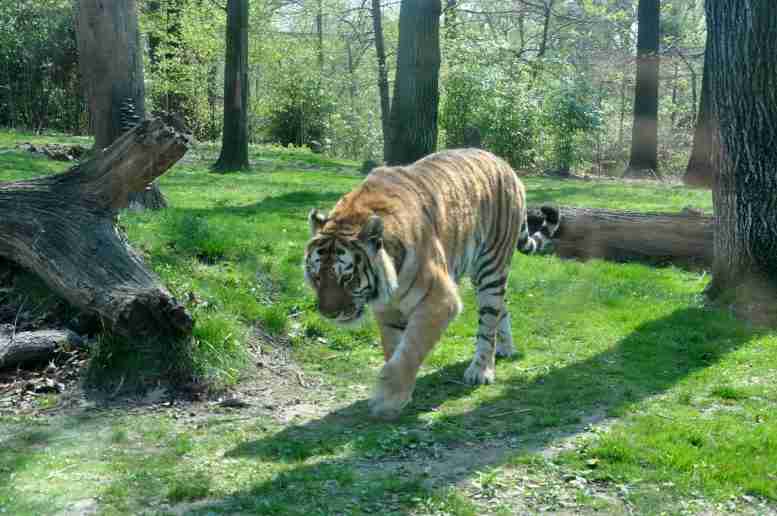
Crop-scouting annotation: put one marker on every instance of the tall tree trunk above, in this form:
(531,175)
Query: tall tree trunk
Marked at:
(352,92)
(234,143)
(320,39)
(700,172)
(413,123)
(111,65)
(644,139)
(383,84)
(622,113)
(675,75)
(545,29)
(742,68)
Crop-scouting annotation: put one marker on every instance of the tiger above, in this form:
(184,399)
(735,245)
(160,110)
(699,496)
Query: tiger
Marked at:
(402,240)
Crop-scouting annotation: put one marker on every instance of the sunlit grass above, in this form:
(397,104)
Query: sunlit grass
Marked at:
(663,399)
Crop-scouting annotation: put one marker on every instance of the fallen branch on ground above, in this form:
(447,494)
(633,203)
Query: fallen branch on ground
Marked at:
(683,239)
(62,228)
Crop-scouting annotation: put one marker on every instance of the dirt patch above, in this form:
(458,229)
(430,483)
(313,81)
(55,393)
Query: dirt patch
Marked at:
(276,388)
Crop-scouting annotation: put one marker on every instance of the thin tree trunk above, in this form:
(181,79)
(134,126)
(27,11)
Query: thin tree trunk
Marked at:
(320,39)
(545,28)
(644,140)
(234,143)
(674,94)
(743,82)
(353,151)
(623,113)
(111,65)
(383,84)
(413,124)
(700,172)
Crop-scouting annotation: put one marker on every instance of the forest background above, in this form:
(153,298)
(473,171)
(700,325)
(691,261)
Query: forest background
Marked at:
(548,85)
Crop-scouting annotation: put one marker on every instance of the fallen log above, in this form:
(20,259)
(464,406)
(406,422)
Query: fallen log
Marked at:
(683,239)
(63,229)
(32,346)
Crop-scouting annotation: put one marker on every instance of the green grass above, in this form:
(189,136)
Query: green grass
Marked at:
(10,139)
(624,380)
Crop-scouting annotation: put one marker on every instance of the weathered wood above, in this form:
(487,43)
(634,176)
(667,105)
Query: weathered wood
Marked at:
(32,346)
(413,117)
(683,239)
(63,229)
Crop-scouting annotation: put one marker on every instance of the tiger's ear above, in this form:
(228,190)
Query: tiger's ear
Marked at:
(372,234)
(316,219)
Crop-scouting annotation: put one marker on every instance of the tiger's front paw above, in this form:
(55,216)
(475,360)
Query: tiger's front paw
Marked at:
(505,349)
(388,408)
(477,374)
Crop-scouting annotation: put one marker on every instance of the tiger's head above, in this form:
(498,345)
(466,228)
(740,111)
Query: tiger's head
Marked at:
(348,270)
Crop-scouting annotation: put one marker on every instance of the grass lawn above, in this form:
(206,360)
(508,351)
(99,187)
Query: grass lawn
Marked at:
(627,394)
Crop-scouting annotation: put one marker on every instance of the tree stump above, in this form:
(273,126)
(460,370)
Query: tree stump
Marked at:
(62,228)
(684,239)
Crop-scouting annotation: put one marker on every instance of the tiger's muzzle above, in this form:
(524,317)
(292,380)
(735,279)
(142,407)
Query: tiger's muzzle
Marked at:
(335,302)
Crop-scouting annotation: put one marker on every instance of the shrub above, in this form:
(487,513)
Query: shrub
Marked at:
(570,115)
(302,113)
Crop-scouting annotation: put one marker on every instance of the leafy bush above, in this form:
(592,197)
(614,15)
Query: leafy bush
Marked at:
(570,114)
(459,110)
(504,116)
(513,129)
(302,112)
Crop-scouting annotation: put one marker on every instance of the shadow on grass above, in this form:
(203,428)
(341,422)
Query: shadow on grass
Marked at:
(536,410)
(288,203)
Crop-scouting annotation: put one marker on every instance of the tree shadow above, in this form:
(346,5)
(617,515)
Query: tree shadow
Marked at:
(285,204)
(534,409)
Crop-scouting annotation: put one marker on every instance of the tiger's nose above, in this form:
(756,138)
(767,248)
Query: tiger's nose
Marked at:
(329,310)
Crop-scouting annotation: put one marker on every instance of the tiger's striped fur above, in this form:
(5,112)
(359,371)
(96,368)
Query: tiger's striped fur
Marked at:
(403,239)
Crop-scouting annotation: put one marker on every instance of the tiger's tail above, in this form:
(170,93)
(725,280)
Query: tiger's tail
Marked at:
(539,240)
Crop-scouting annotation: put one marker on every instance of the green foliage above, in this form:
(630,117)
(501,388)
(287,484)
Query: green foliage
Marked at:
(302,112)
(504,116)
(39,84)
(512,128)
(182,66)
(461,106)
(571,116)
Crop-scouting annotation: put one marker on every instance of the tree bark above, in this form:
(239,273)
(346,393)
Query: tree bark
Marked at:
(682,239)
(111,65)
(545,29)
(700,172)
(320,39)
(413,123)
(383,84)
(62,228)
(644,140)
(743,85)
(32,346)
(234,143)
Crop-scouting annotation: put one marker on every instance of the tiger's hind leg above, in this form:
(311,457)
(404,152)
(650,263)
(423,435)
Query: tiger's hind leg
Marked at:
(492,317)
